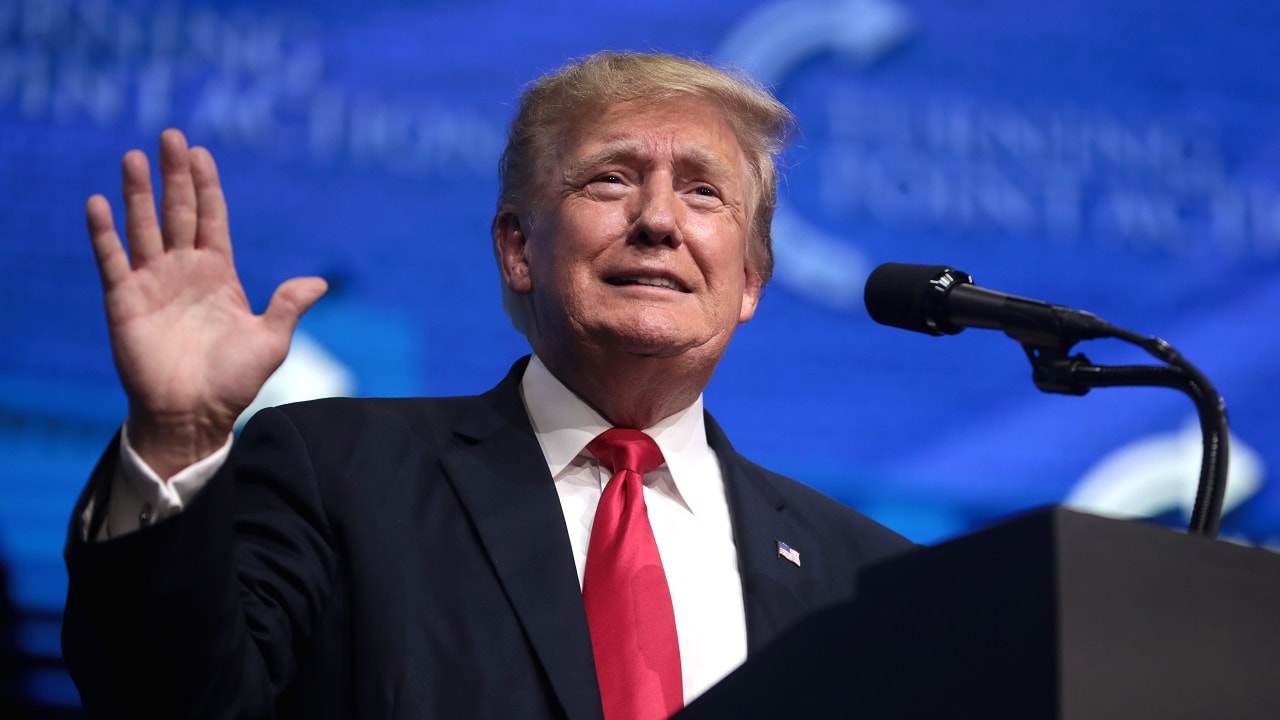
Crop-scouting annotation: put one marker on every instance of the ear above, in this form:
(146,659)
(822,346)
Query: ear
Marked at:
(512,248)
(751,289)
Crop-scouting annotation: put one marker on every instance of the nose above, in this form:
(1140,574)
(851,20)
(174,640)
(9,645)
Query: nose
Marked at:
(658,217)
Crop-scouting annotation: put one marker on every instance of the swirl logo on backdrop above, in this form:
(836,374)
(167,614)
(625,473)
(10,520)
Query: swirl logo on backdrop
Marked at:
(1157,474)
(905,157)
(769,44)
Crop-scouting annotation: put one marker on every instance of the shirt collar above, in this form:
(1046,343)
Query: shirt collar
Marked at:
(564,423)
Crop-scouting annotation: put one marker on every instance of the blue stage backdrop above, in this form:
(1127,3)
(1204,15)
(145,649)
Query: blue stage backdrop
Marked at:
(1121,156)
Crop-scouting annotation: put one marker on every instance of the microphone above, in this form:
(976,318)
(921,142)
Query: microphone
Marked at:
(939,300)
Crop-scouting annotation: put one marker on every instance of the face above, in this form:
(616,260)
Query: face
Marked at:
(637,240)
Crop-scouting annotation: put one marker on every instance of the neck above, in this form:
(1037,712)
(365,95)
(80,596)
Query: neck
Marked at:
(632,391)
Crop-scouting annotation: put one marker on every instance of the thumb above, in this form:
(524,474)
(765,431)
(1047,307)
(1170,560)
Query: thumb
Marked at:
(290,300)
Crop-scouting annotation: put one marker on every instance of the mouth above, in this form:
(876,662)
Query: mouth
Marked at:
(657,281)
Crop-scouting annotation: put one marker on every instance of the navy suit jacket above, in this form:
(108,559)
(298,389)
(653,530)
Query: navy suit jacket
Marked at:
(397,558)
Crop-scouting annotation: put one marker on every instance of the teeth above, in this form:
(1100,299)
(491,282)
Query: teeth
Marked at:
(653,281)
(658,282)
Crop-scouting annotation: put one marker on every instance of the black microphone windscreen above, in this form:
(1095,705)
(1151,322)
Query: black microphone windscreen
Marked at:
(910,297)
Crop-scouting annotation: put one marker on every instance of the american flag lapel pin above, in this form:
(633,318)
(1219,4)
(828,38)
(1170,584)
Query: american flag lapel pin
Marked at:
(788,553)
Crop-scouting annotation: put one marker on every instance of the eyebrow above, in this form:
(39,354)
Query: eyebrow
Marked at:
(696,156)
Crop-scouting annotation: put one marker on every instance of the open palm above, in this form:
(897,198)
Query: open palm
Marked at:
(190,353)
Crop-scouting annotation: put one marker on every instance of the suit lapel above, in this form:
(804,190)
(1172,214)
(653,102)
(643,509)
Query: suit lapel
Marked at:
(502,479)
(760,519)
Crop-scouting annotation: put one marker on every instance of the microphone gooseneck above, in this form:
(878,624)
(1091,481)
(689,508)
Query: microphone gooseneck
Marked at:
(940,300)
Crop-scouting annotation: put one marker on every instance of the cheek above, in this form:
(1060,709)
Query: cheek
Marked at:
(560,265)
(583,238)
(725,257)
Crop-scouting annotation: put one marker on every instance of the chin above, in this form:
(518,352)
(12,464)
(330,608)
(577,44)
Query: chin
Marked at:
(660,340)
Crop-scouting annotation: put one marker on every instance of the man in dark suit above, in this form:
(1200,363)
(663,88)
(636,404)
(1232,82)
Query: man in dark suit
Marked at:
(429,557)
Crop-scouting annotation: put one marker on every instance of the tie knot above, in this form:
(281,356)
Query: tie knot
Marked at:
(626,449)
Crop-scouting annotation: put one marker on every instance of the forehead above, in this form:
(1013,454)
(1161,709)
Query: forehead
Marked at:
(685,130)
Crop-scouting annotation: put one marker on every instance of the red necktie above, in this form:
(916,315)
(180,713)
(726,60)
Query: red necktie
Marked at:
(633,626)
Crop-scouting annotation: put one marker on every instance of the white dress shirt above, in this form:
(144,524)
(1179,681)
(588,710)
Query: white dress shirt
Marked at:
(687,509)
(685,497)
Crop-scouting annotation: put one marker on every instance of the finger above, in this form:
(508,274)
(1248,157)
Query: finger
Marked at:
(212,230)
(139,208)
(113,263)
(178,194)
(290,300)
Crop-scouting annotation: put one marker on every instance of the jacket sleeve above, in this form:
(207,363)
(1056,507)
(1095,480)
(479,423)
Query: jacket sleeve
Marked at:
(203,614)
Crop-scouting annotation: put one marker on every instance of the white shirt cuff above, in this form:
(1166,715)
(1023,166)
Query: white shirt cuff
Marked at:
(139,497)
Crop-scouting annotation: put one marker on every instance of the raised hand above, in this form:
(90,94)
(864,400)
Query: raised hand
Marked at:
(190,353)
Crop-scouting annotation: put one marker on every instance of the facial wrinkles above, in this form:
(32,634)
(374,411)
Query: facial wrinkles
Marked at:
(671,153)
(668,173)
(741,196)
(691,162)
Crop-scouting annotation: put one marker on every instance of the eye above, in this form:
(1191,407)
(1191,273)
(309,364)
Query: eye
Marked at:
(609,178)
(705,191)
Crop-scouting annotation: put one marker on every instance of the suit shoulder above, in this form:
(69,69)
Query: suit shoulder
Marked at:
(357,411)
(332,427)
(824,512)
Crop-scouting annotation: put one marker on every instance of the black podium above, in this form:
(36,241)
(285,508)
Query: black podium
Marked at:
(1056,614)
